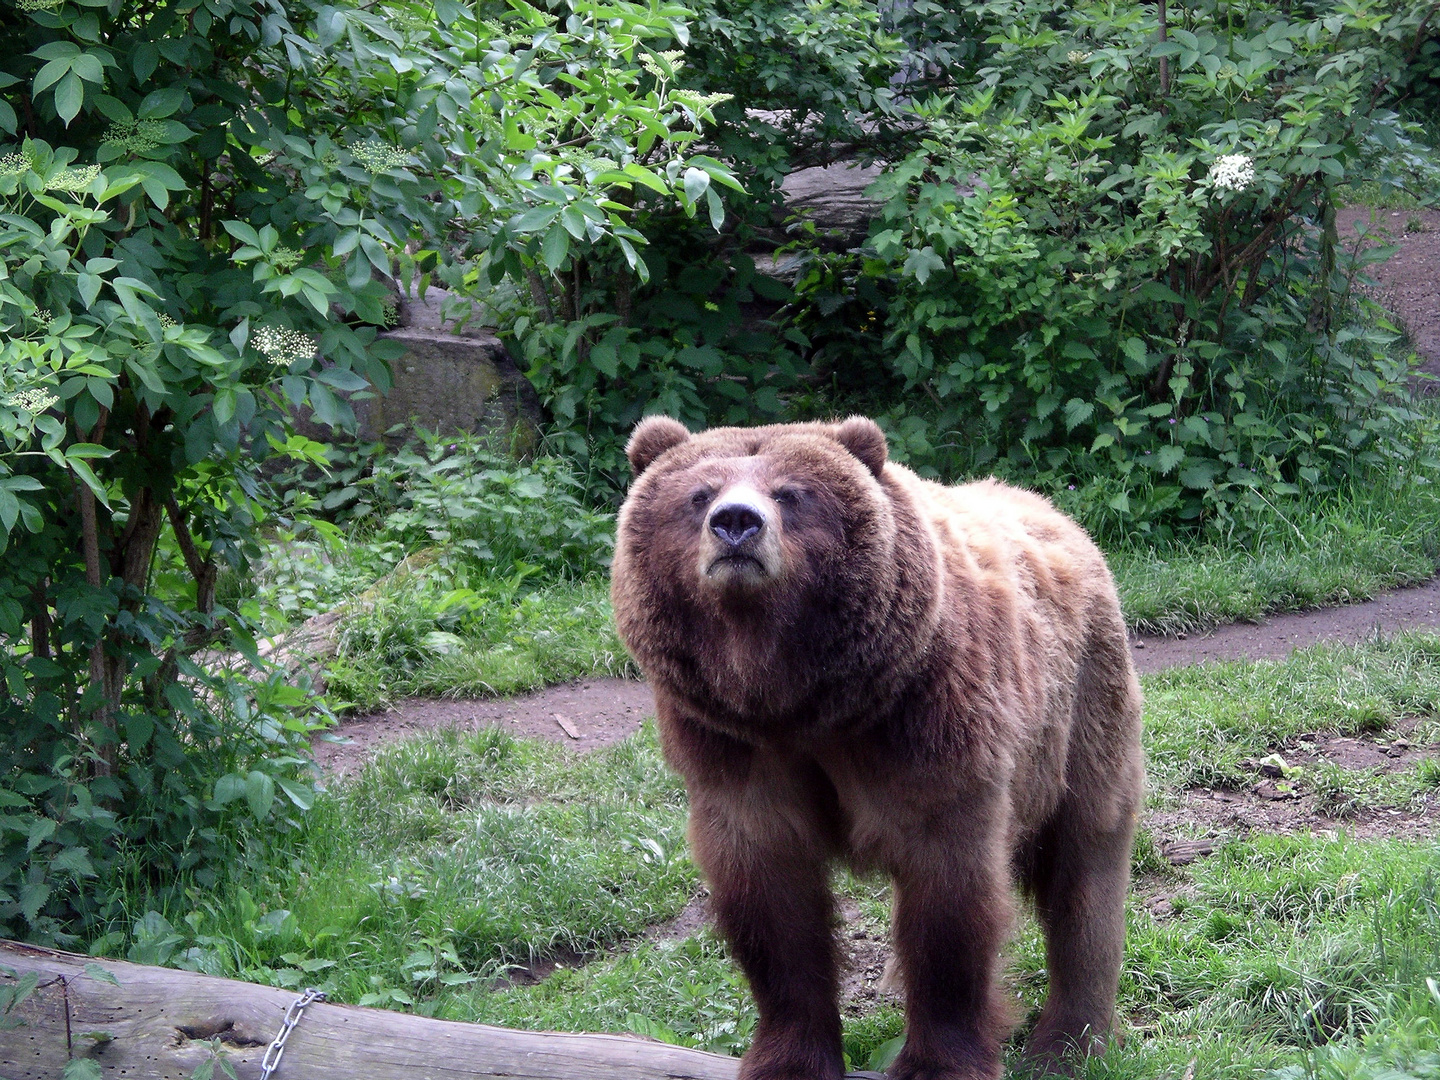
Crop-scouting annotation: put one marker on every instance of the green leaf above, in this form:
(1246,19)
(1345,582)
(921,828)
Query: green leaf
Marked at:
(74,860)
(33,895)
(1200,475)
(259,793)
(161,103)
(1077,412)
(113,108)
(50,74)
(697,182)
(536,219)
(638,172)
(302,795)
(921,263)
(56,50)
(228,788)
(555,247)
(89,286)
(1167,458)
(69,96)
(87,451)
(82,1069)
(717,209)
(144,60)
(84,472)
(88,67)
(605,360)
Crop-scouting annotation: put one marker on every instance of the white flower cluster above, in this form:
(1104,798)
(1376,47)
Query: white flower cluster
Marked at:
(285,258)
(670,56)
(698,102)
(39,5)
(31,401)
(377,157)
(136,137)
(165,321)
(283,346)
(408,23)
(73,181)
(1232,172)
(1075,56)
(15,165)
(42,316)
(1226,72)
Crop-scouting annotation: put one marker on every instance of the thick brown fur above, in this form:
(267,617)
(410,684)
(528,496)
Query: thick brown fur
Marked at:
(850,662)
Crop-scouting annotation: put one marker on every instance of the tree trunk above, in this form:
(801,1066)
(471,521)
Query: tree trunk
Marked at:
(160,1024)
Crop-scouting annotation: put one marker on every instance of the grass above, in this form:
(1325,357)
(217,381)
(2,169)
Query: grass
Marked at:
(453,857)
(1379,535)
(503,641)
(431,621)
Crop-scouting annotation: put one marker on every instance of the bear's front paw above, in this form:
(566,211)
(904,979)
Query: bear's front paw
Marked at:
(779,1058)
(790,1071)
(955,1068)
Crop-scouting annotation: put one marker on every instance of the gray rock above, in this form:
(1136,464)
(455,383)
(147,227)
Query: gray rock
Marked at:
(833,196)
(454,376)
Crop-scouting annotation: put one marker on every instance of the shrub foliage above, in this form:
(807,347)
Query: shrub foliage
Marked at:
(202,201)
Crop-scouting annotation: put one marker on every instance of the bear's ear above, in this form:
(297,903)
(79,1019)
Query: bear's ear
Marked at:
(863,438)
(651,438)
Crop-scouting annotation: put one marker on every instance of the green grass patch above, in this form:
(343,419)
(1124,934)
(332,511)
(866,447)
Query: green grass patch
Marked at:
(1200,722)
(1376,536)
(453,856)
(428,639)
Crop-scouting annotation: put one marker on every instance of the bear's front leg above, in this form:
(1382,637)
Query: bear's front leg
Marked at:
(762,847)
(951,915)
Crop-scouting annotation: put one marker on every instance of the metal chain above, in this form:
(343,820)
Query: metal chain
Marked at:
(271,1061)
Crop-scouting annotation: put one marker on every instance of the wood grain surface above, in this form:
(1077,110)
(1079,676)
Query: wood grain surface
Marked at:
(161,1024)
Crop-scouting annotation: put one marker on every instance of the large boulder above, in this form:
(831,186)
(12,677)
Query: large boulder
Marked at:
(454,376)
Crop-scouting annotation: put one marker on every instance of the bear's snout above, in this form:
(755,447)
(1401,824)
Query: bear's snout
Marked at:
(736,521)
(740,545)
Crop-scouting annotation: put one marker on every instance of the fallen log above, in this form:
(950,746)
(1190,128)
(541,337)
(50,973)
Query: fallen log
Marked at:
(150,1023)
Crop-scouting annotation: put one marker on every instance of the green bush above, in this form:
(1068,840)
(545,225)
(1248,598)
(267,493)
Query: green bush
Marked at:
(205,209)
(1111,266)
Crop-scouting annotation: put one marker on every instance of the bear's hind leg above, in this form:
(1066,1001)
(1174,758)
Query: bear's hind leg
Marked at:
(1080,877)
(1079,865)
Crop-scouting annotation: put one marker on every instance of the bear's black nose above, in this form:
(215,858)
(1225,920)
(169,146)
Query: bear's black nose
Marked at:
(736,522)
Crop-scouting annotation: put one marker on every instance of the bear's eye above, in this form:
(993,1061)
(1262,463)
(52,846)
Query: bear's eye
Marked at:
(787,496)
(701,498)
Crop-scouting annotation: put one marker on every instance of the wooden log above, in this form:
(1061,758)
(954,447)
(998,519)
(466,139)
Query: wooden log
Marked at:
(161,1024)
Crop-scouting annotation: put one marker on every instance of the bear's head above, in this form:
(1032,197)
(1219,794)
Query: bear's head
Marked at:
(754,564)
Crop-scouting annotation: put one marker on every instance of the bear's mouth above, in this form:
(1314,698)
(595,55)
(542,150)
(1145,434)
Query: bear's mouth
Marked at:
(737,569)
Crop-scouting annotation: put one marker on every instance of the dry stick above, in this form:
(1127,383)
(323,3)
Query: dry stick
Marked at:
(1414,49)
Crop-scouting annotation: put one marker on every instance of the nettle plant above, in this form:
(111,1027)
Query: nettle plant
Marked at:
(1116,266)
(204,206)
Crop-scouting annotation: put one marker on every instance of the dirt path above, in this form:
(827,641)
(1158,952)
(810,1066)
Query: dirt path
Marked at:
(599,712)
(1409,279)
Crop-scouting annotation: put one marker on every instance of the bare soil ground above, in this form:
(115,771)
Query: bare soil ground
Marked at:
(604,711)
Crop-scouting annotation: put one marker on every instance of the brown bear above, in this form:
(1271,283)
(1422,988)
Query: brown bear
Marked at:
(850,662)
